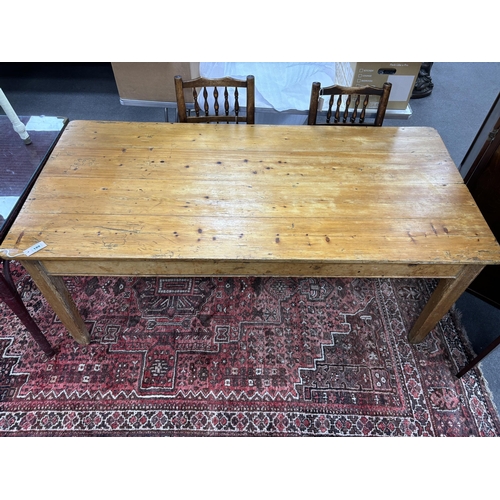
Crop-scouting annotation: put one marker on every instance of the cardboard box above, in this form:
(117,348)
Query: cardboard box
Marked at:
(152,81)
(402,75)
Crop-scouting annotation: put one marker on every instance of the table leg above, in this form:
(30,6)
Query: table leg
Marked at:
(445,295)
(9,295)
(57,295)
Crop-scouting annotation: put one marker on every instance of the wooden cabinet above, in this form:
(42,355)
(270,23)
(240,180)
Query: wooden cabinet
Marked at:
(481,171)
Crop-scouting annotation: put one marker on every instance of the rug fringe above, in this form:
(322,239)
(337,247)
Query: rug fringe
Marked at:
(457,319)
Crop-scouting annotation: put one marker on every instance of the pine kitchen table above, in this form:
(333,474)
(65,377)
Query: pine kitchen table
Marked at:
(176,199)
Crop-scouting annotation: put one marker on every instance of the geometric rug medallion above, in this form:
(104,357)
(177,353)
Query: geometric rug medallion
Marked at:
(240,357)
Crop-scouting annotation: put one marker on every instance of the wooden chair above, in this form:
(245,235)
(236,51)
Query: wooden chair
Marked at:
(231,110)
(341,110)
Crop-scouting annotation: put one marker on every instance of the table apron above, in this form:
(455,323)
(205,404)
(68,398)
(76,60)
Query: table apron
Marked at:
(91,267)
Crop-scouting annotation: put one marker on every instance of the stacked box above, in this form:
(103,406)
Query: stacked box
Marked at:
(152,81)
(402,75)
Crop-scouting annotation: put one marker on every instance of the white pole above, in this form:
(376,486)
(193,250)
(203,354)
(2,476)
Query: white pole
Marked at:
(16,122)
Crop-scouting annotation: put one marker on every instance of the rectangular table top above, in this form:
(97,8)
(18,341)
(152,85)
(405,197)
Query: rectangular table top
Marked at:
(258,193)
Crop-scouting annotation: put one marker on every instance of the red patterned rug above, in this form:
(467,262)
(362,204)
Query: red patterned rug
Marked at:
(240,357)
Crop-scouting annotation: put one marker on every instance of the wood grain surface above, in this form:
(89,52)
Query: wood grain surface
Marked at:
(184,193)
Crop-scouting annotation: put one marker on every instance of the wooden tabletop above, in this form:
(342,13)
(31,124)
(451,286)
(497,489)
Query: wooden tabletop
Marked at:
(257,193)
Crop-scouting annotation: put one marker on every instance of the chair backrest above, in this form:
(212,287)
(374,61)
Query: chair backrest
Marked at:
(210,110)
(357,107)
